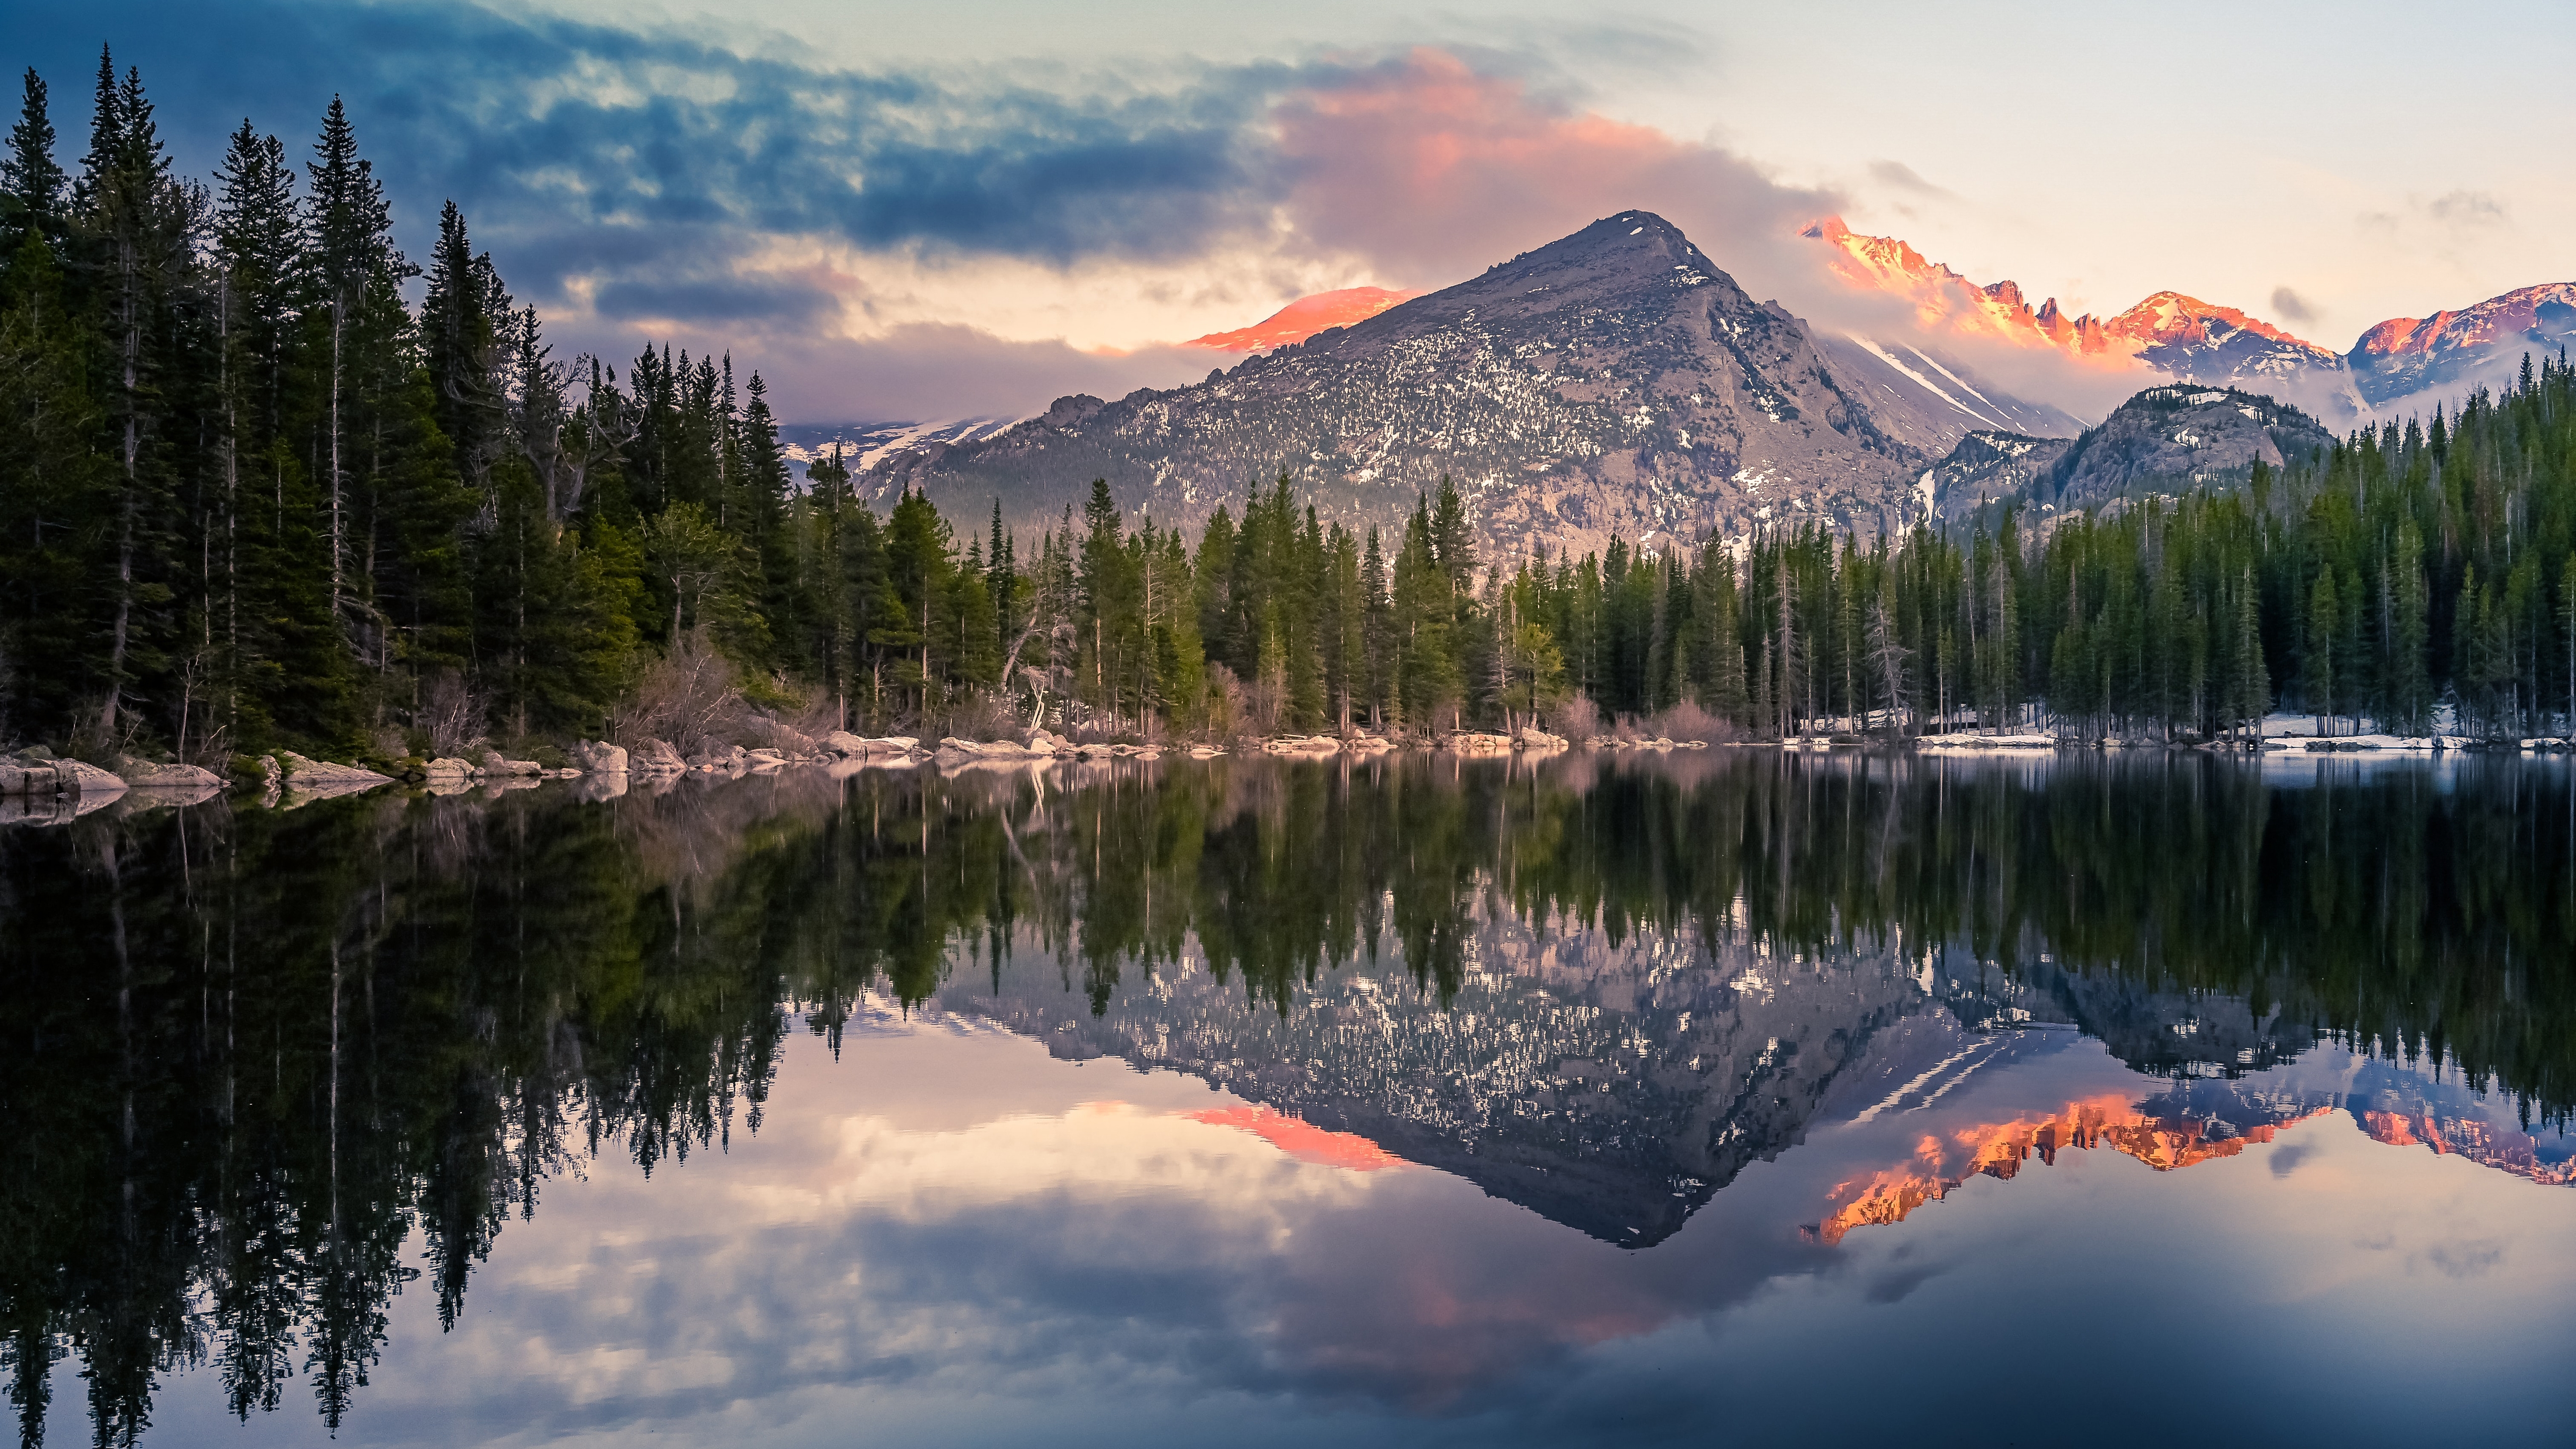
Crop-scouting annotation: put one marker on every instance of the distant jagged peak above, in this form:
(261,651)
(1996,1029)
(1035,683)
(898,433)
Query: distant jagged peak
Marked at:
(2518,313)
(1304,318)
(2172,317)
(2165,324)
(1944,300)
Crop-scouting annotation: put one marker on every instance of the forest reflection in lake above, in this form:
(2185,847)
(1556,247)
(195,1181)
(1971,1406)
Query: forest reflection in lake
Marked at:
(1477,1098)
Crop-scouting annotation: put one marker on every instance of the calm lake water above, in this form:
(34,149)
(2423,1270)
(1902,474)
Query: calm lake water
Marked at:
(1593,1100)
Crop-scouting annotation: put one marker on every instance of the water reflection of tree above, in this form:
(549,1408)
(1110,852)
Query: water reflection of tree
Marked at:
(250,1055)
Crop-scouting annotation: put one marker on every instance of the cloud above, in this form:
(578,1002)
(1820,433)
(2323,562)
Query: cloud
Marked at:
(930,371)
(1434,170)
(1904,178)
(2463,210)
(2289,306)
(649,182)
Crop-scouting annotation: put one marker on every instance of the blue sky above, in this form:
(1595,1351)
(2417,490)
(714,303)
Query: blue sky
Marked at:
(936,210)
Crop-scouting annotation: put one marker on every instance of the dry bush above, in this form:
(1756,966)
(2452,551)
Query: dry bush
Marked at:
(1226,707)
(453,716)
(1578,718)
(815,717)
(691,697)
(1687,721)
(977,715)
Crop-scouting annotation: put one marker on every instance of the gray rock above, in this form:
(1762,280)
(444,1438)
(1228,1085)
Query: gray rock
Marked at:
(85,782)
(599,757)
(311,775)
(149,774)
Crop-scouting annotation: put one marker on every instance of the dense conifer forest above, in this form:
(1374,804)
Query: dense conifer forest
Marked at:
(253,494)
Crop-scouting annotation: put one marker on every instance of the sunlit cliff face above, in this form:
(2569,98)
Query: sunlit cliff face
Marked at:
(2467,1137)
(1945,301)
(1304,318)
(1943,1161)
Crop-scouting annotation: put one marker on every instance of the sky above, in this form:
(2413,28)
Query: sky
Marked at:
(917,211)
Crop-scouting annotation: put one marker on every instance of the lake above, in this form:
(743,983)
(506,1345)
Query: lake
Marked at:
(2112,1098)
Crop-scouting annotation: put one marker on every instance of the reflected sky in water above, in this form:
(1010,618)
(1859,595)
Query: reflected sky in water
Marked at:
(1635,1162)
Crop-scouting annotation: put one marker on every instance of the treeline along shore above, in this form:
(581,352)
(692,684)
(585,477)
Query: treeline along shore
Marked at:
(255,498)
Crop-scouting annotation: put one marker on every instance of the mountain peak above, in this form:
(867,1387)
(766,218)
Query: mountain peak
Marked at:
(1613,383)
(1304,318)
(2483,343)
(2172,317)
(2169,332)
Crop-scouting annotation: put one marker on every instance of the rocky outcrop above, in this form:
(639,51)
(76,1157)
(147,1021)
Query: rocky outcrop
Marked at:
(302,773)
(954,751)
(658,758)
(155,775)
(850,746)
(494,766)
(599,757)
(36,773)
(1310,746)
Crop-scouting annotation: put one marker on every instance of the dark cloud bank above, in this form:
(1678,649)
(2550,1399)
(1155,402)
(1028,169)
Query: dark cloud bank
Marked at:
(634,167)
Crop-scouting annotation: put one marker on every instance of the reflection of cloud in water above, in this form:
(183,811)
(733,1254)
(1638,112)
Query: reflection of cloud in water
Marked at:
(947,1216)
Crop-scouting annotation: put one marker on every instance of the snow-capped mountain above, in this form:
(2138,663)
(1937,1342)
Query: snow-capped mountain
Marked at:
(2450,353)
(2168,333)
(1926,397)
(2166,439)
(862,444)
(1615,383)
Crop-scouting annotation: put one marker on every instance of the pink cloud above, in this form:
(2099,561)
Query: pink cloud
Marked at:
(1433,171)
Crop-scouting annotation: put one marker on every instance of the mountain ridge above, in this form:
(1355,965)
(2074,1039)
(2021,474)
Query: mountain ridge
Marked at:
(2170,438)
(2402,363)
(1615,383)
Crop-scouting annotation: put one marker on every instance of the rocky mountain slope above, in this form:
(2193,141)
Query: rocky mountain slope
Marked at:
(2166,439)
(1613,383)
(2167,333)
(2404,365)
(2449,353)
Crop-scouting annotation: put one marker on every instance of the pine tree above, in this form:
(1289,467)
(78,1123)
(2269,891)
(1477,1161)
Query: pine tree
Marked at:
(31,181)
(2325,621)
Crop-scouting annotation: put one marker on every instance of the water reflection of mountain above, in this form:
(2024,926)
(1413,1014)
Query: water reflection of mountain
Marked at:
(265,1067)
(1610,1087)
(1616,1087)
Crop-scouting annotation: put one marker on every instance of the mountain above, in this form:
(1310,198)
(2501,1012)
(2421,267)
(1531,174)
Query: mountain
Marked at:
(1615,383)
(1304,318)
(1925,398)
(864,443)
(2450,353)
(2165,439)
(2182,337)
